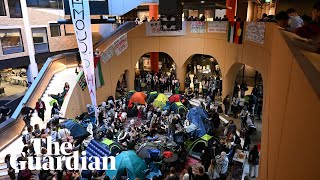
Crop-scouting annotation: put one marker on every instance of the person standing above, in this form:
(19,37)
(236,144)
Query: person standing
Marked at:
(26,113)
(212,171)
(188,81)
(243,88)
(41,108)
(224,166)
(226,103)
(202,175)
(253,162)
(172,175)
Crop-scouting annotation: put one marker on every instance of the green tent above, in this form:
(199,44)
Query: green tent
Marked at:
(195,149)
(129,94)
(160,101)
(113,146)
(129,164)
(178,108)
(151,97)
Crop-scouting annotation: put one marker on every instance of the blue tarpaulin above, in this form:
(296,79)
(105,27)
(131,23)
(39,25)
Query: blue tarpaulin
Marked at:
(197,117)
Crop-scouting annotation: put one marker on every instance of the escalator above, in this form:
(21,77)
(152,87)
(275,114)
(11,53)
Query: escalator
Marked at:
(55,72)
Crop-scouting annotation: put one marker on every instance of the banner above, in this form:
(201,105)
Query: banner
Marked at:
(107,54)
(235,32)
(255,32)
(198,27)
(217,26)
(154,29)
(121,44)
(80,14)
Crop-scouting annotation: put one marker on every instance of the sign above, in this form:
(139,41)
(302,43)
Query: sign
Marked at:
(154,29)
(217,26)
(198,27)
(255,32)
(121,44)
(107,54)
(82,81)
(80,14)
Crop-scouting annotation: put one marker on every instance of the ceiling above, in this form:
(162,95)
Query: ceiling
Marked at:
(189,4)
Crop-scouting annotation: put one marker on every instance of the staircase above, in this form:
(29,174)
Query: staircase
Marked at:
(55,86)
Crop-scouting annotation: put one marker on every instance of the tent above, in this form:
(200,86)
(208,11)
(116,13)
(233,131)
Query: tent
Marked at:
(113,146)
(178,108)
(96,149)
(76,129)
(143,151)
(129,164)
(198,126)
(180,98)
(129,94)
(137,97)
(160,101)
(152,96)
(206,141)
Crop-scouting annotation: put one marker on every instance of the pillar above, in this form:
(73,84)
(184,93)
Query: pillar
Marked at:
(250,11)
(32,71)
(231,13)
(153,11)
(181,75)
(154,61)
(255,13)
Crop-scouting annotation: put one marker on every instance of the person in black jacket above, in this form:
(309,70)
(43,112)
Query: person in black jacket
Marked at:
(26,113)
(226,103)
(253,161)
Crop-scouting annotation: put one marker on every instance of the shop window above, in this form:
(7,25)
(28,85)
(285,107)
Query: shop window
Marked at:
(40,40)
(2,8)
(11,41)
(15,9)
(55,30)
(55,4)
(68,30)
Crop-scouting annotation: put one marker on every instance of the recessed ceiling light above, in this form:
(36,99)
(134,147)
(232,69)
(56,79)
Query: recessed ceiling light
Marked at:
(202,1)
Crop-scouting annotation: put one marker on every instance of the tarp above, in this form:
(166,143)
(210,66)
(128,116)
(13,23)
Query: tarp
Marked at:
(130,164)
(137,97)
(151,97)
(178,108)
(197,116)
(160,101)
(96,149)
(77,130)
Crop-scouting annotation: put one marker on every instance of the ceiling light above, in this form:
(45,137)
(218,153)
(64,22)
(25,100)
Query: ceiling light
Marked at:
(202,1)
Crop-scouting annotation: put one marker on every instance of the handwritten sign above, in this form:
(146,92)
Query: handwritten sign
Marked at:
(107,54)
(154,29)
(255,32)
(198,27)
(121,44)
(82,81)
(217,26)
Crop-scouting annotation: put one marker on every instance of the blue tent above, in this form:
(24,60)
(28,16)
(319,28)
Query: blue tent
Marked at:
(76,129)
(198,125)
(96,149)
(129,164)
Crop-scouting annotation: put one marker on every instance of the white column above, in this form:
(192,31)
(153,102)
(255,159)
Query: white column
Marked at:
(250,11)
(33,68)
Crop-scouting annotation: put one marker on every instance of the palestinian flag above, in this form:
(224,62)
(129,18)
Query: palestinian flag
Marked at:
(235,32)
(98,72)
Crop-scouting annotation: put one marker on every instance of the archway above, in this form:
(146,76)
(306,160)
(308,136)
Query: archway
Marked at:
(203,76)
(122,85)
(150,76)
(244,86)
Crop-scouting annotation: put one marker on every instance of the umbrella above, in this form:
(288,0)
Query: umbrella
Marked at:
(130,163)
(77,131)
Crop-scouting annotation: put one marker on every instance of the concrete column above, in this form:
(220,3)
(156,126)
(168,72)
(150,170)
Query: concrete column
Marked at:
(33,68)
(181,75)
(255,13)
(231,13)
(250,11)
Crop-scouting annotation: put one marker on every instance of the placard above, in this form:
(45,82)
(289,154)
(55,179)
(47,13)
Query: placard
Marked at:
(255,32)
(107,54)
(154,29)
(121,44)
(82,81)
(217,26)
(198,27)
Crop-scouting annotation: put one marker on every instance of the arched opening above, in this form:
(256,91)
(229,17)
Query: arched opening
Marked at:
(203,77)
(243,105)
(122,86)
(156,71)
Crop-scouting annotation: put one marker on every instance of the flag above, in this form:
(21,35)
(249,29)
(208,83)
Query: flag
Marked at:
(235,32)
(98,71)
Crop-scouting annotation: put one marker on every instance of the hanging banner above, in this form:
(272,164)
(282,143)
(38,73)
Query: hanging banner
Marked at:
(121,44)
(154,29)
(198,27)
(80,14)
(255,32)
(217,26)
(107,54)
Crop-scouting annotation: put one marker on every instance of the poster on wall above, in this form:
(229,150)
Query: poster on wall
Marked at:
(255,32)
(107,54)
(154,29)
(217,26)
(121,44)
(198,27)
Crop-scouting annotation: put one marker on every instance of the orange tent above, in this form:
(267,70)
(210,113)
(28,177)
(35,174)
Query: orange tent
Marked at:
(137,97)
